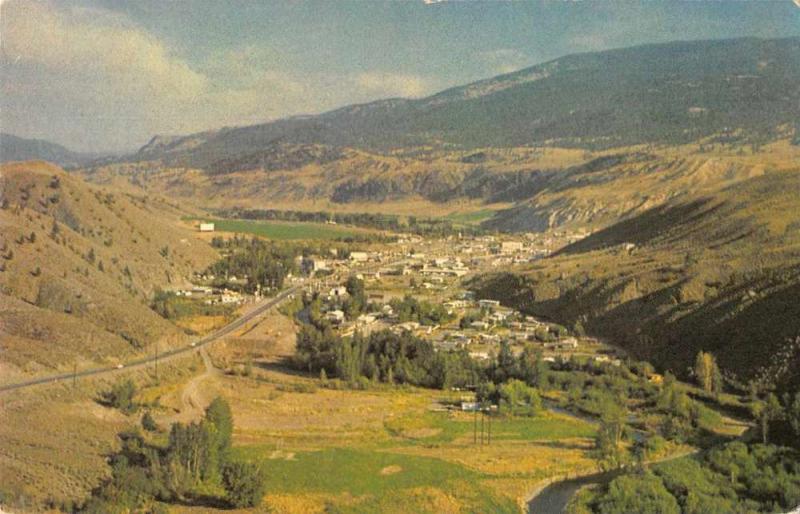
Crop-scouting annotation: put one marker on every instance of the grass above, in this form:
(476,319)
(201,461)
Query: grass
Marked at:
(375,476)
(286,231)
(441,428)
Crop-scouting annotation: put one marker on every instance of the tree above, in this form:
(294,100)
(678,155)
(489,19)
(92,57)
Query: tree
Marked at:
(792,411)
(578,329)
(244,484)
(643,494)
(707,373)
(515,395)
(506,364)
(609,450)
(219,414)
(765,412)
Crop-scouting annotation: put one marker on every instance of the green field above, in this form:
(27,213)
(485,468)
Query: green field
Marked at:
(286,231)
(378,478)
(546,426)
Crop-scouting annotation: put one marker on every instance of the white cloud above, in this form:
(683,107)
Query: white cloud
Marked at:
(92,79)
(95,42)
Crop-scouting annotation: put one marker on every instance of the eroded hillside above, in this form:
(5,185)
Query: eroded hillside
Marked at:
(79,265)
(717,271)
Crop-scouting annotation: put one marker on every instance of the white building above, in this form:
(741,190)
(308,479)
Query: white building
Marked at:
(510,246)
(338,292)
(359,256)
(206,227)
(336,316)
(488,304)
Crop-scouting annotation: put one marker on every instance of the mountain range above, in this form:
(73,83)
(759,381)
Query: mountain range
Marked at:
(13,148)
(744,90)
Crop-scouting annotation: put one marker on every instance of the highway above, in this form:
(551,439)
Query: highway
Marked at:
(145,361)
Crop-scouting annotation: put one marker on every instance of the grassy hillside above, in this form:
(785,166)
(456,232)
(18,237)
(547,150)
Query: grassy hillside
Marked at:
(78,267)
(717,271)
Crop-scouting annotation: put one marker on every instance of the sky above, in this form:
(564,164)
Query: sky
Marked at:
(107,75)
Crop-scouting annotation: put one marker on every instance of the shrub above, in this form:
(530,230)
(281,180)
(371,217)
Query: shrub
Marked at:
(121,396)
(244,484)
(148,423)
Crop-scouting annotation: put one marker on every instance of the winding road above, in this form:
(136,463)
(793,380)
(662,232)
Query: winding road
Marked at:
(171,354)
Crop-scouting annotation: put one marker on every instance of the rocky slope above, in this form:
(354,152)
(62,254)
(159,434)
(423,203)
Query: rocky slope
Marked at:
(718,271)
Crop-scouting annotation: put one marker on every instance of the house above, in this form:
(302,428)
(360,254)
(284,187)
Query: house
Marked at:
(408,326)
(335,316)
(206,227)
(470,406)
(312,264)
(479,355)
(510,246)
(359,256)
(338,292)
(488,304)
(479,325)
(366,319)
(228,298)
(498,317)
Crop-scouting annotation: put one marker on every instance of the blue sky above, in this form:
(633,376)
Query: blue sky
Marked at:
(107,75)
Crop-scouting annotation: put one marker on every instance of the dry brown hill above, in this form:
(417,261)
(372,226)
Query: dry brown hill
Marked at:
(77,267)
(717,271)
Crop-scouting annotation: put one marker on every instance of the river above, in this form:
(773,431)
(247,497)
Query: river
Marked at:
(553,499)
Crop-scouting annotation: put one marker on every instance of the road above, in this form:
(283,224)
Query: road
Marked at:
(146,361)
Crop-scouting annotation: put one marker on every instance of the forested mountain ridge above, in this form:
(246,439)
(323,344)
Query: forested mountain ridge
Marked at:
(742,89)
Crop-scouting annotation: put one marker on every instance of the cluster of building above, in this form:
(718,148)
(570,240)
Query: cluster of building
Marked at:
(212,295)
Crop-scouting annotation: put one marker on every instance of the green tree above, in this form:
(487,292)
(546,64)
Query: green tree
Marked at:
(707,372)
(765,412)
(642,494)
(609,450)
(219,414)
(517,397)
(244,484)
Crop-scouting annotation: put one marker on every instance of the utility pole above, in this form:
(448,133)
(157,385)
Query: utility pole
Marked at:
(489,437)
(483,415)
(475,427)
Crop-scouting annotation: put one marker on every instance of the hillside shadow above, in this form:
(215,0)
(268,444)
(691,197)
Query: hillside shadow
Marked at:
(645,227)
